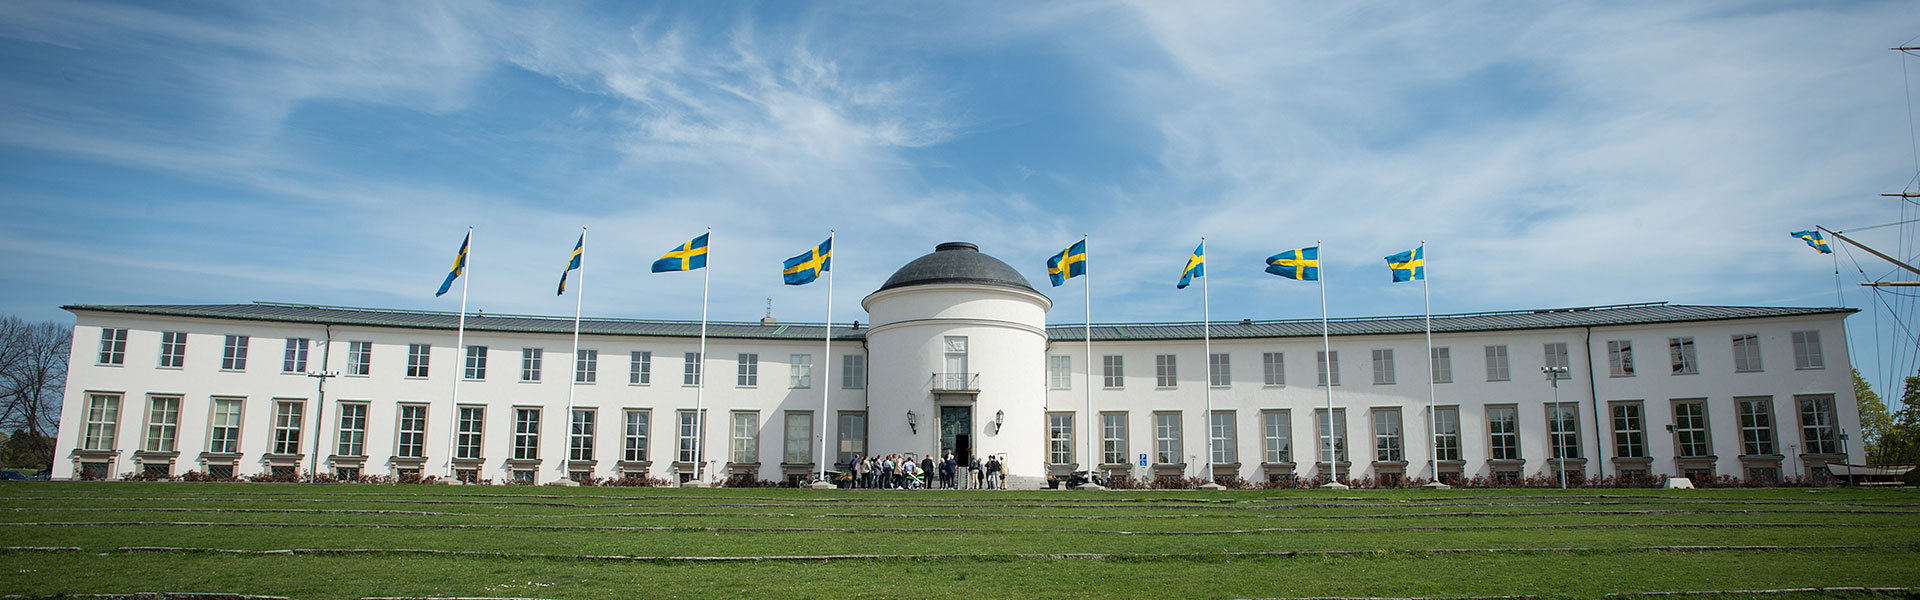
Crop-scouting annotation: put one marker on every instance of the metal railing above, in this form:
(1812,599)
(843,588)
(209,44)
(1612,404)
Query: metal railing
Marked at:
(956,382)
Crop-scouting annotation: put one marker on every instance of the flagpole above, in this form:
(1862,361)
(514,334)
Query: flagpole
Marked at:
(579,292)
(1433,440)
(700,391)
(1206,373)
(826,363)
(1326,351)
(1092,423)
(466,276)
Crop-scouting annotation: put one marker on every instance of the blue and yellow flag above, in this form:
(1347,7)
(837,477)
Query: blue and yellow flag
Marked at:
(1068,264)
(803,269)
(1196,266)
(1302,264)
(687,257)
(573,263)
(459,266)
(1409,265)
(1813,238)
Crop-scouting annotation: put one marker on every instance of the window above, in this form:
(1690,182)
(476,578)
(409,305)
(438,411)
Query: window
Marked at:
(1387,443)
(691,374)
(1629,431)
(640,368)
(1221,438)
(1446,433)
(359,358)
(296,359)
(1324,360)
(526,434)
(1690,428)
(1556,358)
(1442,365)
(224,438)
(1333,440)
(353,430)
(1219,370)
(580,438)
(1059,372)
(749,370)
(1756,425)
(413,431)
(1806,350)
(1746,353)
(1563,430)
(1113,369)
(1497,363)
(634,441)
(1273,368)
(1383,367)
(1166,370)
(103,418)
(800,371)
(798,440)
(1620,358)
(1166,439)
(417,355)
(689,436)
(1113,438)
(286,426)
(1680,350)
(477,363)
(1503,432)
(530,359)
(113,346)
(235,356)
(1060,438)
(746,437)
(173,349)
(163,422)
(853,436)
(473,423)
(586,366)
(1277,432)
(853,371)
(1817,425)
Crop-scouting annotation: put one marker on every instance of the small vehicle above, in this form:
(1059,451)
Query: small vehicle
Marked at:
(1080,478)
(12,476)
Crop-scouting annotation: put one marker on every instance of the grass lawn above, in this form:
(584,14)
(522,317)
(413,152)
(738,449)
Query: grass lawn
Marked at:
(72,538)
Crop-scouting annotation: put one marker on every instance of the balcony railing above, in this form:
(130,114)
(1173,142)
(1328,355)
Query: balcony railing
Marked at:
(956,382)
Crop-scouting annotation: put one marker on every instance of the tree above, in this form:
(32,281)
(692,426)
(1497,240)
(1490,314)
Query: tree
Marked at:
(1874,420)
(33,380)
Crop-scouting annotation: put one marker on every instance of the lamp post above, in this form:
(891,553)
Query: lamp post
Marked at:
(1559,451)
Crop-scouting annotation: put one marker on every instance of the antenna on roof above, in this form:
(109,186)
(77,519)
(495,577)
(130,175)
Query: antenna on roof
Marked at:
(768,320)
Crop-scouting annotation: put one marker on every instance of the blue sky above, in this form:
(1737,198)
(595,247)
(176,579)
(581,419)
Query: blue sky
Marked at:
(1551,154)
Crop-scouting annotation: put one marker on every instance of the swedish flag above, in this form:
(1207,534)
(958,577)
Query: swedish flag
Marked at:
(574,263)
(1409,265)
(1068,264)
(803,269)
(687,257)
(459,266)
(1302,264)
(1196,266)
(1813,238)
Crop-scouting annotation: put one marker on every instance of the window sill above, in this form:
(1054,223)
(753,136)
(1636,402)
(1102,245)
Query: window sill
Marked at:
(1820,368)
(1686,373)
(169,368)
(108,365)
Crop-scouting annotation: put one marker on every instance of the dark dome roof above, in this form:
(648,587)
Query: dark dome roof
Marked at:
(957,262)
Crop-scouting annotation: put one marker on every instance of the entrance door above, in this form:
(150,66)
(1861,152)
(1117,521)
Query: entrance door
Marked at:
(956,427)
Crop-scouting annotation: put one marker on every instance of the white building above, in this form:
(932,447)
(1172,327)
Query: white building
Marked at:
(958,358)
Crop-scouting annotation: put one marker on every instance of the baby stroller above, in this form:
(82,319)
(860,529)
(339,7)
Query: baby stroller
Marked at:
(914,481)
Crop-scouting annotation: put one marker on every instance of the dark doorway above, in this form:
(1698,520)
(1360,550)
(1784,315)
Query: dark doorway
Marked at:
(956,427)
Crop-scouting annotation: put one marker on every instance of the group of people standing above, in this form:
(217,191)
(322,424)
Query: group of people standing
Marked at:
(903,472)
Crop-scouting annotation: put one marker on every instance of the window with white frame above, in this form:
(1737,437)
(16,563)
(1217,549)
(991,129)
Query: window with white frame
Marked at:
(163,422)
(1497,363)
(1166,370)
(1690,429)
(1446,433)
(1166,439)
(224,436)
(530,367)
(1556,358)
(1333,436)
(1060,438)
(287,423)
(1113,370)
(413,431)
(1220,437)
(113,346)
(1113,438)
(234,358)
(103,421)
(173,349)
(852,436)
(1756,425)
(1442,365)
(359,358)
(1383,366)
(797,444)
(1503,433)
(1620,358)
(853,371)
(1563,430)
(1388,445)
(1746,353)
(748,370)
(1817,425)
(1680,352)
(295,360)
(690,373)
(640,368)
(417,357)
(1276,428)
(746,437)
(687,440)
(1806,351)
(1629,431)
(1059,372)
(800,371)
(473,425)
(586,366)
(1273,368)
(476,363)
(580,438)
(1219,370)
(352,439)
(1324,360)
(634,439)
(526,434)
